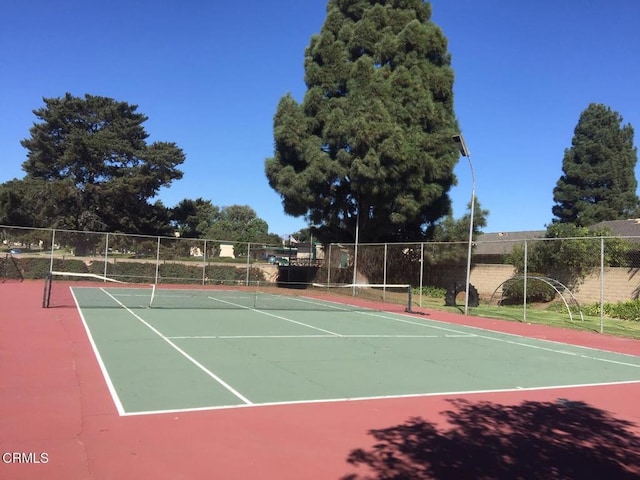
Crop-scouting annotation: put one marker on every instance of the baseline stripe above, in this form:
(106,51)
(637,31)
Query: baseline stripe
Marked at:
(267,337)
(387,397)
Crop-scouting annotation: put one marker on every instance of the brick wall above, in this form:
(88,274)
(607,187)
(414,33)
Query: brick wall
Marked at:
(620,284)
(487,277)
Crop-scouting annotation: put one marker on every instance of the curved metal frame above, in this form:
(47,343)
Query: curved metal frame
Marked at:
(553,283)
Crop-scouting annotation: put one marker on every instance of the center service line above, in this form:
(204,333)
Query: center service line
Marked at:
(182,352)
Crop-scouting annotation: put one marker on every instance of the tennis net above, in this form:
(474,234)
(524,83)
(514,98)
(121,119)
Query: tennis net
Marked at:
(94,291)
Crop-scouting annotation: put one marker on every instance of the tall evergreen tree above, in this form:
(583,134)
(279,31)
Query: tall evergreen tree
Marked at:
(372,140)
(94,149)
(599,181)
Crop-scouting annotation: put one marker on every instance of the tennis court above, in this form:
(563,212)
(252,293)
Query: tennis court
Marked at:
(226,348)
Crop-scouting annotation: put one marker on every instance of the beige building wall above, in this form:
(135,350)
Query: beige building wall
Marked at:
(620,284)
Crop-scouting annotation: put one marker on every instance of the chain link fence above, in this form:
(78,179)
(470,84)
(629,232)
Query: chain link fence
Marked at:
(576,272)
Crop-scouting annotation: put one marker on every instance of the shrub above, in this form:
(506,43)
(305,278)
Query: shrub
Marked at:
(628,310)
(126,271)
(431,291)
(537,291)
(33,268)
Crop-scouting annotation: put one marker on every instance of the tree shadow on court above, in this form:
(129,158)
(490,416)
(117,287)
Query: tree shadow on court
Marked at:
(533,440)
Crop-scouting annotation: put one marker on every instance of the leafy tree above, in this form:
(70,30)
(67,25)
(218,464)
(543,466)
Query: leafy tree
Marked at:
(193,218)
(92,151)
(455,236)
(599,180)
(35,202)
(452,230)
(241,224)
(372,140)
(570,252)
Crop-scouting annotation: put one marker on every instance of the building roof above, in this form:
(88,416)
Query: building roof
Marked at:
(503,242)
(621,228)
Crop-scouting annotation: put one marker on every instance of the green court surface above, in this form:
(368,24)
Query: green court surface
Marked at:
(177,359)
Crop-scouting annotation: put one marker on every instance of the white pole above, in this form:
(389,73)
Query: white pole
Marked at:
(328,263)
(384,267)
(473,202)
(106,256)
(157,260)
(355,254)
(53,241)
(601,284)
(422,270)
(464,151)
(524,283)
(204,264)
(248,263)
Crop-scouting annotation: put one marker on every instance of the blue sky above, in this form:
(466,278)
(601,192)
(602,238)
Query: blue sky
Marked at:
(209,75)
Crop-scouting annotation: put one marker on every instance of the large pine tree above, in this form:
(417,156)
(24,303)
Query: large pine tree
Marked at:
(92,153)
(598,181)
(371,142)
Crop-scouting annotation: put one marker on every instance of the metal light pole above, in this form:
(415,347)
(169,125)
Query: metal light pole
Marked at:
(355,253)
(464,151)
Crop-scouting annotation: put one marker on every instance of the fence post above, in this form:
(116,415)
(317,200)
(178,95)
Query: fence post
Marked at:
(421,270)
(384,266)
(601,284)
(204,264)
(53,241)
(524,286)
(106,255)
(157,261)
(248,263)
(329,266)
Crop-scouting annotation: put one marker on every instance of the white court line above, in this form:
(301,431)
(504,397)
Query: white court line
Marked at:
(456,333)
(562,352)
(380,397)
(460,333)
(204,337)
(105,373)
(520,344)
(182,352)
(262,312)
(316,301)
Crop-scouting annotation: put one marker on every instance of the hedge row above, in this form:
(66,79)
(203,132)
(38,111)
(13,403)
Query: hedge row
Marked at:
(629,310)
(140,272)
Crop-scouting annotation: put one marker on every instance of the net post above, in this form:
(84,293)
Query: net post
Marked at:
(46,295)
(408,309)
(255,294)
(153,294)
